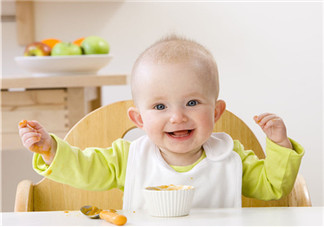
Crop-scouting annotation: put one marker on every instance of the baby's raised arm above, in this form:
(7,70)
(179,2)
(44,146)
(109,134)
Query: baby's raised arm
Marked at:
(274,128)
(36,139)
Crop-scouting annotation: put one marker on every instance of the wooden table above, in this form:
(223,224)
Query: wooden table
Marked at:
(57,102)
(270,216)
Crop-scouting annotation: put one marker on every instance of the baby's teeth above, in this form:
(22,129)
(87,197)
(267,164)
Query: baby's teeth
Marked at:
(181,133)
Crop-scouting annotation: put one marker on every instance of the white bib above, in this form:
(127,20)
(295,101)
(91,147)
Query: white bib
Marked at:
(217,178)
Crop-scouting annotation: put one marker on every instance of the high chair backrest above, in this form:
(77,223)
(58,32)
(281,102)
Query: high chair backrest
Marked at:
(108,123)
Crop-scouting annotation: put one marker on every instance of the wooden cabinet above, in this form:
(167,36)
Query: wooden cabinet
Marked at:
(56,102)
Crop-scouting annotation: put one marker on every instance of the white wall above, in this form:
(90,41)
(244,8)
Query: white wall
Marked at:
(269,56)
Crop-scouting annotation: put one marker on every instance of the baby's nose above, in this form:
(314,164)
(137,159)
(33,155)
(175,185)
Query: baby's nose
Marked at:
(178,117)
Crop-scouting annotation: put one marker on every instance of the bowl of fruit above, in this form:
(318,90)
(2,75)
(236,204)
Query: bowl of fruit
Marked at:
(53,57)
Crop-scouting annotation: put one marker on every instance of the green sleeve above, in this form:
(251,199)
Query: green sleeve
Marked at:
(273,177)
(94,168)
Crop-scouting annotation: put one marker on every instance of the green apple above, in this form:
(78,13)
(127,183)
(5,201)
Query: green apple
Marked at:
(95,45)
(64,48)
(37,49)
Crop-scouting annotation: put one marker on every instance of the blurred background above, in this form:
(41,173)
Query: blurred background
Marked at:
(269,56)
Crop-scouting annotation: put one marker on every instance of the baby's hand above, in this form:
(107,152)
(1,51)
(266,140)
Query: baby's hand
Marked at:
(36,139)
(274,128)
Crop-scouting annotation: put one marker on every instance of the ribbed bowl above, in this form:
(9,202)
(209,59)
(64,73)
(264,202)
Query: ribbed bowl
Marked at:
(169,203)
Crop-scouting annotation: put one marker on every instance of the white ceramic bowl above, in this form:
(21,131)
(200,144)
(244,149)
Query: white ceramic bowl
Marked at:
(169,202)
(63,65)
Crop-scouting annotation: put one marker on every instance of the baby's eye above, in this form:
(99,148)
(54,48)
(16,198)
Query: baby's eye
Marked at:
(192,103)
(159,107)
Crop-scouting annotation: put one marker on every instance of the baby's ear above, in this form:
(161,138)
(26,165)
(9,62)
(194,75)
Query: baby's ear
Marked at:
(220,107)
(135,116)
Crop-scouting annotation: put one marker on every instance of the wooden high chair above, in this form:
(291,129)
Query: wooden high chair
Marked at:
(108,123)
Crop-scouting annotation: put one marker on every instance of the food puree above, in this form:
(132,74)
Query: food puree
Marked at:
(170,187)
(93,210)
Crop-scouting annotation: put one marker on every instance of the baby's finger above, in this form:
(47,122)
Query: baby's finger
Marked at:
(35,125)
(259,117)
(267,119)
(28,143)
(269,123)
(256,119)
(23,131)
(35,135)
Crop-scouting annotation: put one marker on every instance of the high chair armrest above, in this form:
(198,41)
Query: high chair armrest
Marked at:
(24,196)
(300,195)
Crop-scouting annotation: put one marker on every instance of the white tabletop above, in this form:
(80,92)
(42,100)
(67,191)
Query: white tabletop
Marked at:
(272,216)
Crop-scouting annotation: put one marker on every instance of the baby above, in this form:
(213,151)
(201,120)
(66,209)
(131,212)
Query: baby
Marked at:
(175,90)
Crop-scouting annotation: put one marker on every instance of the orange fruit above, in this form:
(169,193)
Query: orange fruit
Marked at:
(78,41)
(51,42)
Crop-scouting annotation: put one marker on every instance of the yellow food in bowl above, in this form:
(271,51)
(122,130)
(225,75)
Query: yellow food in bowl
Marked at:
(170,187)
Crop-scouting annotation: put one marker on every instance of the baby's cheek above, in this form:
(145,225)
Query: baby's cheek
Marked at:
(151,127)
(207,124)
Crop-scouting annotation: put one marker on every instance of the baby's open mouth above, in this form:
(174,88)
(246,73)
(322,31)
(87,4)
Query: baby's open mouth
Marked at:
(180,133)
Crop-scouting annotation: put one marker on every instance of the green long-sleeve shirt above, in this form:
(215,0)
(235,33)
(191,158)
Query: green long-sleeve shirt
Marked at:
(105,168)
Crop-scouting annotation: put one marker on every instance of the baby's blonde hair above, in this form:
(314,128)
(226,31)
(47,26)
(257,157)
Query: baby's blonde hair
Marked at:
(173,49)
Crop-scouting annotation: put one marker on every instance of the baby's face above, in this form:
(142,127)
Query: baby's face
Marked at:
(176,104)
